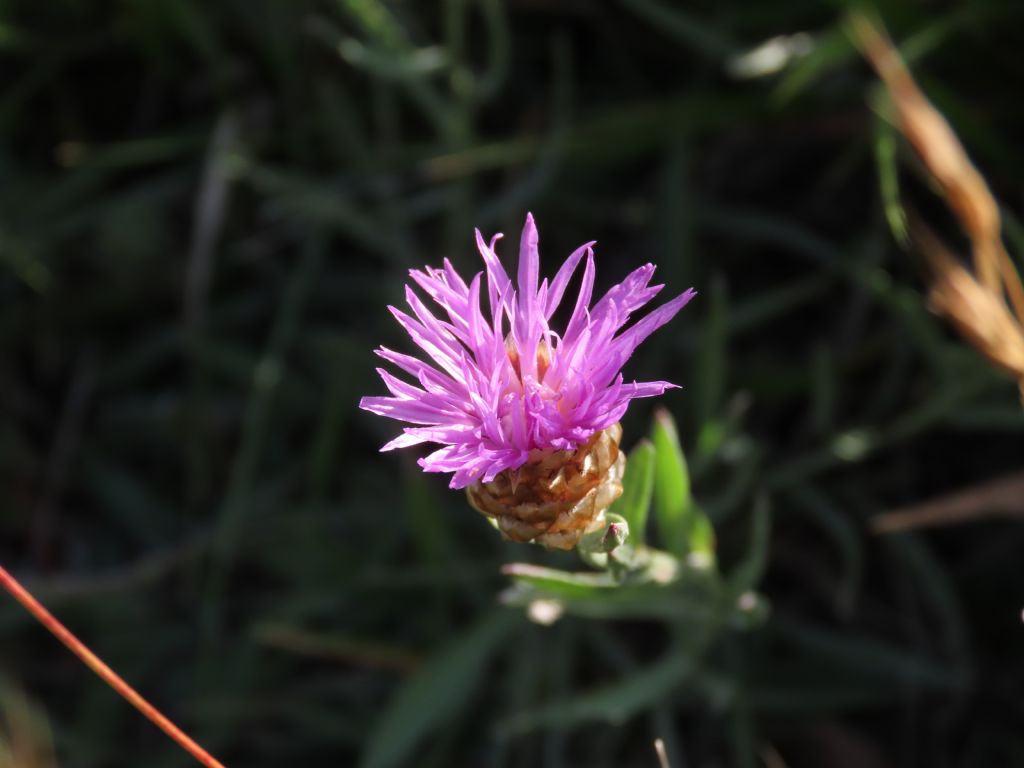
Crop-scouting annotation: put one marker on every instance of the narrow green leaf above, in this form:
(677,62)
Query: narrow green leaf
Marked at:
(867,659)
(749,572)
(436,693)
(936,589)
(673,506)
(379,23)
(843,535)
(831,50)
(886,143)
(637,489)
(701,539)
(685,28)
(561,584)
(613,703)
(663,592)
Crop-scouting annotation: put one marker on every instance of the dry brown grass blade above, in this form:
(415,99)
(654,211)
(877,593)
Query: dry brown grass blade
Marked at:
(1003,497)
(1011,280)
(336,649)
(977,305)
(940,151)
(982,318)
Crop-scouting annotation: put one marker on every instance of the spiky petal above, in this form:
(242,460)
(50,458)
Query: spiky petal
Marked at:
(496,388)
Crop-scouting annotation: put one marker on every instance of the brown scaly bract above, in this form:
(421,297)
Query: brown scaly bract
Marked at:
(557,496)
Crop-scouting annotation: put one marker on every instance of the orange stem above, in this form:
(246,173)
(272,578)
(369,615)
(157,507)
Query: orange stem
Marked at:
(109,676)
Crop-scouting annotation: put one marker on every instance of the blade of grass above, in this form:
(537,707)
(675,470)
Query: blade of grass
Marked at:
(673,505)
(637,491)
(418,710)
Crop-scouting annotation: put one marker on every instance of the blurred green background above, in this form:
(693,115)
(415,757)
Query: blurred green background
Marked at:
(205,208)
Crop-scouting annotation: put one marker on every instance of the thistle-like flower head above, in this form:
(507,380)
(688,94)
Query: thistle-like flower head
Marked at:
(502,385)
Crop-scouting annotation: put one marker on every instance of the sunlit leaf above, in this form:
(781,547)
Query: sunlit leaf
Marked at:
(637,490)
(673,506)
(563,584)
(683,526)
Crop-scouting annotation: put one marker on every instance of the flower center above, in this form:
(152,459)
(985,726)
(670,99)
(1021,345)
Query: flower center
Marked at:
(543,358)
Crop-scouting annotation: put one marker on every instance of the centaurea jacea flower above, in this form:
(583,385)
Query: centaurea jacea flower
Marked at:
(527,417)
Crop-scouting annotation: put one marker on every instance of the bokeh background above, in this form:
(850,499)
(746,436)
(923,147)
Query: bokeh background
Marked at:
(205,208)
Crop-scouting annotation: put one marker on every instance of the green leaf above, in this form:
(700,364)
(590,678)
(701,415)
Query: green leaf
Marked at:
(688,29)
(749,572)
(637,489)
(561,584)
(419,708)
(673,506)
(936,590)
(886,143)
(857,656)
(843,535)
(831,50)
(613,703)
(663,588)
(633,580)
(701,540)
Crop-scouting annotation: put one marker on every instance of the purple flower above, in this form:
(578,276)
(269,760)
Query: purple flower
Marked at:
(500,385)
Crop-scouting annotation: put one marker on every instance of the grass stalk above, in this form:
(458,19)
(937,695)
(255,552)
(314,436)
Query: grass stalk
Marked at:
(109,676)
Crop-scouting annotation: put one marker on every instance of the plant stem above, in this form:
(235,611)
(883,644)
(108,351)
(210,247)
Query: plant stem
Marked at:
(109,676)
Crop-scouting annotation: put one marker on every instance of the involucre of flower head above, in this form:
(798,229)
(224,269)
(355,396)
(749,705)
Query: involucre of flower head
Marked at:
(500,384)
